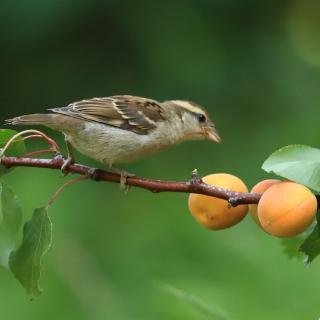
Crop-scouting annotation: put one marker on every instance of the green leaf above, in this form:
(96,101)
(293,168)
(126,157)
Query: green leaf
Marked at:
(311,245)
(25,262)
(16,149)
(11,222)
(298,163)
(291,247)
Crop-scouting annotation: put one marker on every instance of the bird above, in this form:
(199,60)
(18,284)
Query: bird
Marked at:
(123,128)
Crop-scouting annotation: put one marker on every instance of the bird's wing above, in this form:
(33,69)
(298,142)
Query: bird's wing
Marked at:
(136,114)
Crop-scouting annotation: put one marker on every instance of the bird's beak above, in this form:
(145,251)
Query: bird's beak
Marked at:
(212,134)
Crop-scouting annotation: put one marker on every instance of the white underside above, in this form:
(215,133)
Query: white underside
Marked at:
(111,145)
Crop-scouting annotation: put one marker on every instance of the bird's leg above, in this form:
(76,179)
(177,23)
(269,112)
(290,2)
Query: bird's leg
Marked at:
(70,158)
(123,176)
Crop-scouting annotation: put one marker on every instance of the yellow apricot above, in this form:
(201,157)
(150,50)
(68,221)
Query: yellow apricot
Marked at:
(214,213)
(286,209)
(260,187)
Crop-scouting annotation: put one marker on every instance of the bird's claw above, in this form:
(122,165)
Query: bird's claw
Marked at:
(123,180)
(65,165)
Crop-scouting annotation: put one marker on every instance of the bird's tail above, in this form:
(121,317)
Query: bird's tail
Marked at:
(32,119)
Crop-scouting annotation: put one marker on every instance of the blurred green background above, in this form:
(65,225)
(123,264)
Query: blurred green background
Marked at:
(254,65)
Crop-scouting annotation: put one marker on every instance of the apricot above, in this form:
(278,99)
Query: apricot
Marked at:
(260,187)
(286,209)
(214,213)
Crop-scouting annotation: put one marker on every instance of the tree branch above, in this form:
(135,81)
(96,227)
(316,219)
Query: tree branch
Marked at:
(194,185)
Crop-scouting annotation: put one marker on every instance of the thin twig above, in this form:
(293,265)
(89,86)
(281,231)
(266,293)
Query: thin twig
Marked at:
(67,184)
(32,136)
(34,133)
(37,152)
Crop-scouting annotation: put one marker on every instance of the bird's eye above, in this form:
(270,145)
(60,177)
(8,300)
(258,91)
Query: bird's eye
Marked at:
(201,117)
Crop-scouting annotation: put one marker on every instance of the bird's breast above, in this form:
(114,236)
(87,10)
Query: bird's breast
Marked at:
(112,145)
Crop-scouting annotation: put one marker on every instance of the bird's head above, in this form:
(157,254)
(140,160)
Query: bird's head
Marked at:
(195,121)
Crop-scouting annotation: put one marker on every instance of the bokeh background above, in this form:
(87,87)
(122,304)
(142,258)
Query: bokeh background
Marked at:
(255,65)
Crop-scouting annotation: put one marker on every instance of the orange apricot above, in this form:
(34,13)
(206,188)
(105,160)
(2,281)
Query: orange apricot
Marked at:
(260,187)
(214,213)
(286,209)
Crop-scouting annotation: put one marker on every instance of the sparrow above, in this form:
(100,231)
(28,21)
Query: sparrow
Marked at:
(124,128)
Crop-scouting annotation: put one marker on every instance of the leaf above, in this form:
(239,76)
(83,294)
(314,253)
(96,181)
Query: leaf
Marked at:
(11,222)
(291,247)
(16,149)
(298,163)
(25,262)
(311,245)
